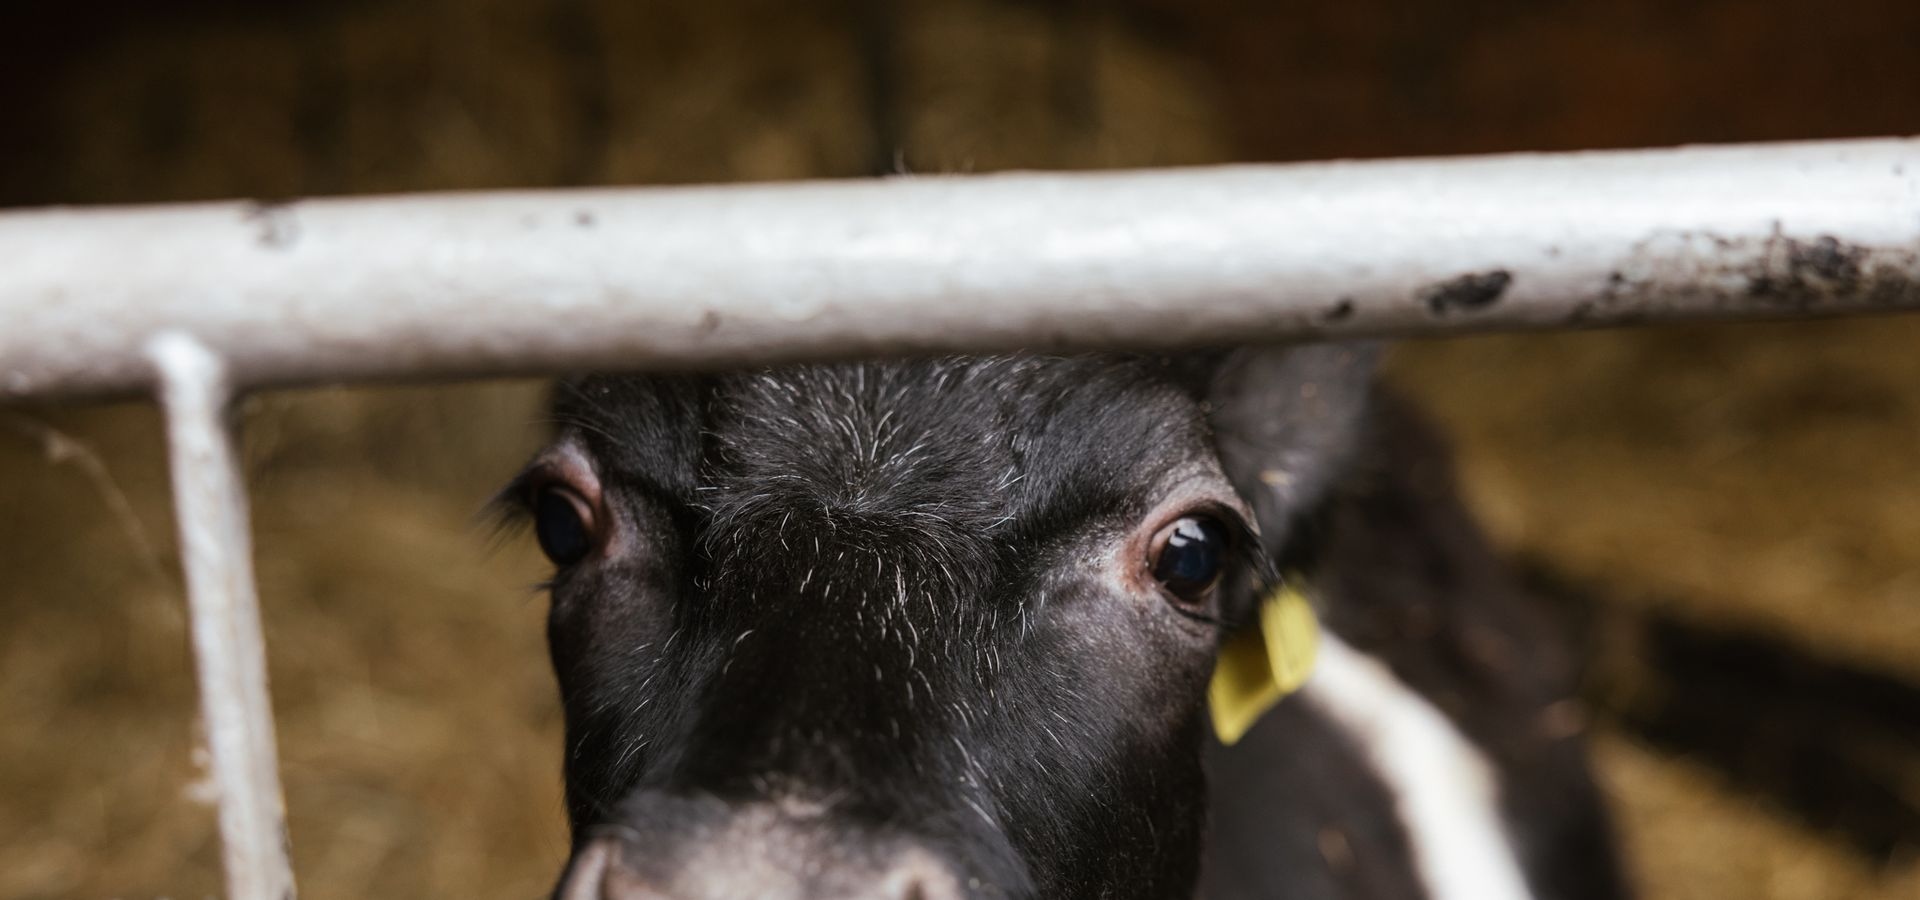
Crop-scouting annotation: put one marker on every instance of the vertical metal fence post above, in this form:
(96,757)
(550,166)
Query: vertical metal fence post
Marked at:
(210,504)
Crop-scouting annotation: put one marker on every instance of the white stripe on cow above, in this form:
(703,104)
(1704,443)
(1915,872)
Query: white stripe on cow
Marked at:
(1444,787)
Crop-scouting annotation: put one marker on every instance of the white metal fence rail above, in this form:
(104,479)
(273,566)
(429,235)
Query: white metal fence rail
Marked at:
(194,302)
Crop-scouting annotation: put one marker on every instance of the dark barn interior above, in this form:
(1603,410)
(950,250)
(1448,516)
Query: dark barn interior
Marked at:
(1727,516)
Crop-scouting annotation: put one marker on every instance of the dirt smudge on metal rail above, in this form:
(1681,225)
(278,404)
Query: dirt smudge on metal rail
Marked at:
(1779,272)
(274,224)
(1475,290)
(1807,270)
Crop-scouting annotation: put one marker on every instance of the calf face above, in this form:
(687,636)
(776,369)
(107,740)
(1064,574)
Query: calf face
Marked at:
(932,628)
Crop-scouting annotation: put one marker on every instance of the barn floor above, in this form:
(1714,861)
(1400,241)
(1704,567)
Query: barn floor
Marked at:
(1757,477)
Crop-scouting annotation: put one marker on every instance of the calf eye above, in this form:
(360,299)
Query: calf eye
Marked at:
(560,524)
(1188,555)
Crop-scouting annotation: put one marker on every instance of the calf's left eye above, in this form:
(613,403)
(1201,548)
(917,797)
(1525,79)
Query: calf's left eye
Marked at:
(1188,556)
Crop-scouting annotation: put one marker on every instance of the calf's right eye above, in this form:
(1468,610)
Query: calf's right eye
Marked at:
(563,526)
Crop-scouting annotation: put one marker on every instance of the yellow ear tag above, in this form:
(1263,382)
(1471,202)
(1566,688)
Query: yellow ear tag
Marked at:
(1258,666)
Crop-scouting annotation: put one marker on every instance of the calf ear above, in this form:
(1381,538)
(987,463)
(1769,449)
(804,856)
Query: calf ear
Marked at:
(1286,421)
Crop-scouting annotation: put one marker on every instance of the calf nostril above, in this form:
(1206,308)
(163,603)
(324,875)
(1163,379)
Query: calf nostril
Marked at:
(919,875)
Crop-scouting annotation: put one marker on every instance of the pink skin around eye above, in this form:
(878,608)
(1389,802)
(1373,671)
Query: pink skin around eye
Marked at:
(1204,497)
(566,466)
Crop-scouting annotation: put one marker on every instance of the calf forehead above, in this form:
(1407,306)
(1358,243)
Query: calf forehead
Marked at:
(964,443)
(848,532)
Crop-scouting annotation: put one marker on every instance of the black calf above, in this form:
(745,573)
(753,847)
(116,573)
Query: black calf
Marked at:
(944,628)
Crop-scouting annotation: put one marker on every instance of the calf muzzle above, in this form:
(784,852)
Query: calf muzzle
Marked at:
(757,859)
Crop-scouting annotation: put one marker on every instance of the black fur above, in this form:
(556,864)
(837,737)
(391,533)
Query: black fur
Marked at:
(889,589)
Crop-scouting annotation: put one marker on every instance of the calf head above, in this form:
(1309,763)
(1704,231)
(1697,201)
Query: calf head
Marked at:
(917,629)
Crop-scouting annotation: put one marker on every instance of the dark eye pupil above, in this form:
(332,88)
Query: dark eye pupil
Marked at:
(556,523)
(1191,558)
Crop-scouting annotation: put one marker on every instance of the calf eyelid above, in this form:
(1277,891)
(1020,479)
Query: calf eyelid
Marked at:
(563,466)
(565,463)
(511,506)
